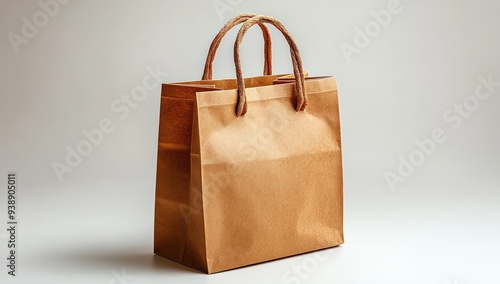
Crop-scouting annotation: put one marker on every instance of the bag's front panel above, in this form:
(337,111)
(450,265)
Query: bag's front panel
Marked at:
(271,179)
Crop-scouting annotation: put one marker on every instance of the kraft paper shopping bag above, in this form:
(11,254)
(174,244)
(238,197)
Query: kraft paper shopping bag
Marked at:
(249,169)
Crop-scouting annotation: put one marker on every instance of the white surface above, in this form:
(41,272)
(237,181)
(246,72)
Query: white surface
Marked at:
(441,225)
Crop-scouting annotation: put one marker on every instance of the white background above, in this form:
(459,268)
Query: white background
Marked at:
(441,225)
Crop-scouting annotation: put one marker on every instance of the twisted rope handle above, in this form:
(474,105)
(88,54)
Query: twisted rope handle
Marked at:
(268,67)
(300,91)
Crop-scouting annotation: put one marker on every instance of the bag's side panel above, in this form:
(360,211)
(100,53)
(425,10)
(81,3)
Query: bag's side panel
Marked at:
(172,207)
(273,177)
(172,179)
(196,250)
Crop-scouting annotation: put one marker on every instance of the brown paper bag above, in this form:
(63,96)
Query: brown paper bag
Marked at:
(263,182)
